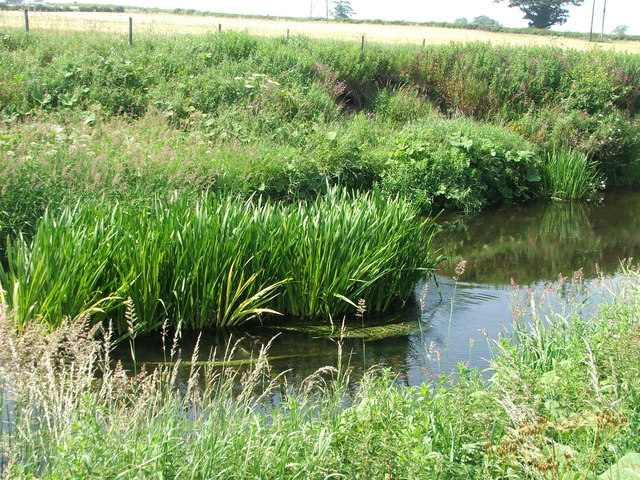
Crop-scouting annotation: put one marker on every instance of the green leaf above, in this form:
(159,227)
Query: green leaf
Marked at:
(532,174)
(627,468)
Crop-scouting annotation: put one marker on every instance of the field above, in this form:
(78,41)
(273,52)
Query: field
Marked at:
(194,24)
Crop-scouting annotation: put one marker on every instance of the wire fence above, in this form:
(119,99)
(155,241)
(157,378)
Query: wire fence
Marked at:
(128,24)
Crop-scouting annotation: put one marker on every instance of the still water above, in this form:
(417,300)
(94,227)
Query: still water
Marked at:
(559,253)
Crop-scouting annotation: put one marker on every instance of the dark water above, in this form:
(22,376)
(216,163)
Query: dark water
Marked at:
(558,253)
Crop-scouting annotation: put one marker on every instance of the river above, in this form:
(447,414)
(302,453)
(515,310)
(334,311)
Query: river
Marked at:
(561,254)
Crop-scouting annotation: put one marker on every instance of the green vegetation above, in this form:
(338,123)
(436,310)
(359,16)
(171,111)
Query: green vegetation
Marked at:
(92,128)
(209,181)
(88,116)
(483,20)
(209,262)
(568,175)
(562,402)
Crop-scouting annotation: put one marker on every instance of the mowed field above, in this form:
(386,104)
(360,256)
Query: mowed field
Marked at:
(165,23)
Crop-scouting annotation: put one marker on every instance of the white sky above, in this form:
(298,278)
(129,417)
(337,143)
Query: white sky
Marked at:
(619,12)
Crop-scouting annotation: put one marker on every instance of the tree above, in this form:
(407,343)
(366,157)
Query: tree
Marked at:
(484,20)
(462,21)
(620,30)
(544,13)
(342,9)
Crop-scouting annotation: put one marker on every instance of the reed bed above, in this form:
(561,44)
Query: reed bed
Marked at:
(217,262)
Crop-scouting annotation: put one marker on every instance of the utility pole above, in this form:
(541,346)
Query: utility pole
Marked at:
(327,8)
(593,14)
(604,12)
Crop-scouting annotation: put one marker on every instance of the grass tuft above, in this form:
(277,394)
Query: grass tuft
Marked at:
(569,175)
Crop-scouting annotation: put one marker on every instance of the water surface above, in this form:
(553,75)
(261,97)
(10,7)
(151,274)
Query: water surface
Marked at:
(557,253)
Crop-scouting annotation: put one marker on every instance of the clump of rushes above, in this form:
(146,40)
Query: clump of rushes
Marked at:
(218,262)
(569,175)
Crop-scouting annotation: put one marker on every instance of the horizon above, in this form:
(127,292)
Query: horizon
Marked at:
(618,12)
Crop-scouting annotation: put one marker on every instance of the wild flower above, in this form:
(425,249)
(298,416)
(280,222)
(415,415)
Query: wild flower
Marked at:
(460,269)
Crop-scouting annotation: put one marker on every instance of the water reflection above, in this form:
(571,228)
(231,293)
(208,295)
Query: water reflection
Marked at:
(538,242)
(511,254)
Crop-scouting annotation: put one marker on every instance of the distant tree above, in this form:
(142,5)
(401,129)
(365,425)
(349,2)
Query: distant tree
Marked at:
(543,13)
(462,20)
(620,30)
(14,2)
(342,9)
(484,20)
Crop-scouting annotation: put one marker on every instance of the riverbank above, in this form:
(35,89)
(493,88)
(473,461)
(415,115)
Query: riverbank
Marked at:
(562,403)
(447,126)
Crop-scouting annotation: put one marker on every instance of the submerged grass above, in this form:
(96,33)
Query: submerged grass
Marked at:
(563,402)
(367,333)
(218,262)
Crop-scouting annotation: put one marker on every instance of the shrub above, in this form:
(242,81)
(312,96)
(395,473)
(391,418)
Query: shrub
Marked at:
(461,165)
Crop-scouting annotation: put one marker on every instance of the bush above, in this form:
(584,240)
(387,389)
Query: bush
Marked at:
(459,164)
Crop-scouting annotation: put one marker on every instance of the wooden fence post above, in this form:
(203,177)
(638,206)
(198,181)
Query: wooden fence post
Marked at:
(362,42)
(26,20)
(287,35)
(130,30)
(219,27)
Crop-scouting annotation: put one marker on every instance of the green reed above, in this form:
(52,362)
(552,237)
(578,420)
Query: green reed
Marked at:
(569,175)
(218,262)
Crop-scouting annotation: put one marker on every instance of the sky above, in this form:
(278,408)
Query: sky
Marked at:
(618,12)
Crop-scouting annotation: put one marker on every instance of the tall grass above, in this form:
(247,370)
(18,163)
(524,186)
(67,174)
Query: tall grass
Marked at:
(563,402)
(218,262)
(236,87)
(569,175)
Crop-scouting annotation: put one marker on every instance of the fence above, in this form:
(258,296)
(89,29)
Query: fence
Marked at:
(362,33)
(164,23)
